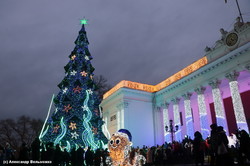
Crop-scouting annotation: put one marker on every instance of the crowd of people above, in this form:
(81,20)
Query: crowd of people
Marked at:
(213,150)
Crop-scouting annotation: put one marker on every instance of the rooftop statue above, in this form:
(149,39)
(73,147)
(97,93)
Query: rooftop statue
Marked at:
(238,24)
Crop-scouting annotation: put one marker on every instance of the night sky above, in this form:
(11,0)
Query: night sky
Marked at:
(138,40)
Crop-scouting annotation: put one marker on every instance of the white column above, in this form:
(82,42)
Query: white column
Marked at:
(177,121)
(167,135)
(120,114)
(205,131)
(221,119)
(188,115)
(237,103)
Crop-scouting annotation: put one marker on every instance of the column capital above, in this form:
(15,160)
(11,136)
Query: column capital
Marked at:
(200,90)
(187,96)
(158,109)
(165,105)
(175,100)
(214,83)
(232,76)
(122,104)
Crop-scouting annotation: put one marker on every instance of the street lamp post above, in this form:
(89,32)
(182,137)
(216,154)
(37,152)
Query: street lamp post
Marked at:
(171,129)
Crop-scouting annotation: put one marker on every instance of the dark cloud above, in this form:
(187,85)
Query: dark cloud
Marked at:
(142,41)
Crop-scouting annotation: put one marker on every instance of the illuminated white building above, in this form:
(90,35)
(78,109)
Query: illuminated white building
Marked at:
(215,88)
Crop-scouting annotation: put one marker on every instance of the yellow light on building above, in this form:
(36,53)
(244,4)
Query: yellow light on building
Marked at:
(154,88)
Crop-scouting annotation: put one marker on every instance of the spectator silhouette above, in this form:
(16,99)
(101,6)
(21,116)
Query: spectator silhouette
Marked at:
(49,154)
(198,148)
(222,149)
(89,157)
(244,149)
(35,147)
(57,158)
(73,157)
(66,158)
(79,156)
(213,144)
(97,157)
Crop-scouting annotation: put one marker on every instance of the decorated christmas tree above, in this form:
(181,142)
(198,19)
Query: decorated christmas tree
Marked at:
(76,121)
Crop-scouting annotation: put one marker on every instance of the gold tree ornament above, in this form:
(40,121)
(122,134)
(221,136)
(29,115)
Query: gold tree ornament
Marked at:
(73,57)
(84,74)
(56,128)
(67,108)
(72,126)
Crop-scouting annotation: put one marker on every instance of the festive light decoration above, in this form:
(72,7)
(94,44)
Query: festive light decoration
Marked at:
(67,108)
(68,147)
(84,74)
(73,73)
(56,128)
(154,88)
(203,116)
(84,21)
(73,57)
(77,89)
(219,108)
(65,90)
(87,132)
(177,120)
(44,132)
(74,135)
(189,118)
(64,129)
(75,104)
(94,130)
(86,58)
(238,107)
(119,147)
(90,91)
(167,135)
(72,126)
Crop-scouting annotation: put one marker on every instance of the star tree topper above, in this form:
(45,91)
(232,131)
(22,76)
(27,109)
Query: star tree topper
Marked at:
(84,21)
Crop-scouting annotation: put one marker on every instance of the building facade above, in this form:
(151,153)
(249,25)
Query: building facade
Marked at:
(214,89)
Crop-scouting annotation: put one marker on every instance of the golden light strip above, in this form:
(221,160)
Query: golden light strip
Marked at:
(131,85)
(184,72)
(154,88)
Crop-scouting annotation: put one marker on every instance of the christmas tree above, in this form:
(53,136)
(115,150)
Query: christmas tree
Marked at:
(76,121)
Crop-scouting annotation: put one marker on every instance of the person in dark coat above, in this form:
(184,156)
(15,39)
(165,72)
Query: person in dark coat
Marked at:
(89,157)
(244,149)
(97,158)
(223,157)
(80,156)
(213,144)
(66,158)
(198,148)
(57,158)
(73,157)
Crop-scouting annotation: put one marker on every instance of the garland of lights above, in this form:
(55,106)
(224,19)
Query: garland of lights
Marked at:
(87,133)
(64,130)
(189,118)
(238,107)
(203,116)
